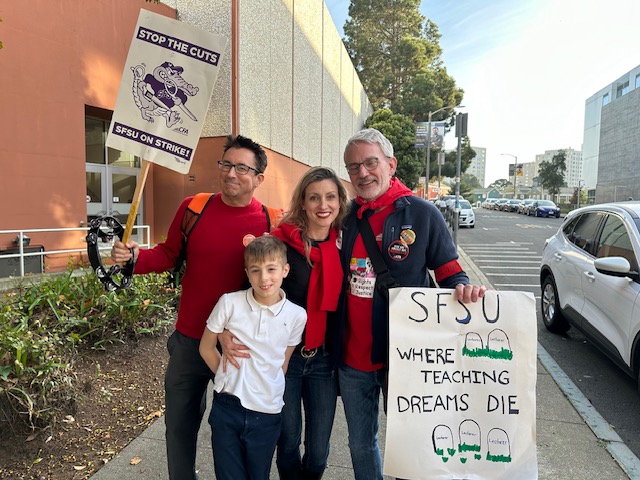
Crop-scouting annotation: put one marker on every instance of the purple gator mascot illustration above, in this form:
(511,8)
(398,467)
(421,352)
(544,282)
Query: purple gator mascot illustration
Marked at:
(158,93)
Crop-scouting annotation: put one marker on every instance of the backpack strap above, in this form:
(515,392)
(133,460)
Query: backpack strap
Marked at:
(191,216)
(274,215)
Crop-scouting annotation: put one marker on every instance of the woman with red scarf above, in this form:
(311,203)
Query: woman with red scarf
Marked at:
(311,230)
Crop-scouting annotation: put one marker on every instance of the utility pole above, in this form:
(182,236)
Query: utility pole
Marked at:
(428,159)
(461,131)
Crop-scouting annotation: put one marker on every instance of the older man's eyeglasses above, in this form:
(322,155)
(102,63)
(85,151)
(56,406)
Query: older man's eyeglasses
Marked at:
(369,163)
(241,168)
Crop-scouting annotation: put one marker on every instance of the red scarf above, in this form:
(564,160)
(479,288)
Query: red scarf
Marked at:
(325,281)
(396,190)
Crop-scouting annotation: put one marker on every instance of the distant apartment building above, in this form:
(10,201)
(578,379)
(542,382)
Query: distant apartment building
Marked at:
(611,142)
(529,172)
(478,166)
(573,161)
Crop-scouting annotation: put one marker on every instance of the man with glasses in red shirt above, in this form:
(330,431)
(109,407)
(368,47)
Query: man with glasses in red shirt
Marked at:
(214,266)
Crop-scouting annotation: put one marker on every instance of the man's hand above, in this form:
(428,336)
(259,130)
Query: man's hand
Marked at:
(231,349)
(121,253)
(470,293)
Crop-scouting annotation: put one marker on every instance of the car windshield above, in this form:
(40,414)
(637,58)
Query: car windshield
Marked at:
(464,205)
(546,203)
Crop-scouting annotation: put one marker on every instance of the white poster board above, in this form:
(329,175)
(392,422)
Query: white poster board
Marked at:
(462,386)
(165,91)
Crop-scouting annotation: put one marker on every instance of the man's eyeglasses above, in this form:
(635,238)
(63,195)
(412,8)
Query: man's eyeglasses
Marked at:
(241,168)
(370,164)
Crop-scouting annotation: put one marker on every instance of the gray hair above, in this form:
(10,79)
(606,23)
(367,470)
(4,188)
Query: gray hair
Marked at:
(371,135)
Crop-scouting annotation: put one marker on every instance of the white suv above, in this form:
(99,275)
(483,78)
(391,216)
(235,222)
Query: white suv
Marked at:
(590,279)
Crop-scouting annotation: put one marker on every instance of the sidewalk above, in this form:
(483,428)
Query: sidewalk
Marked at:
(573,440)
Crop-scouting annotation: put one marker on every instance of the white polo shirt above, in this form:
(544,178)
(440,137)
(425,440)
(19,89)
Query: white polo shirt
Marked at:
(267,331)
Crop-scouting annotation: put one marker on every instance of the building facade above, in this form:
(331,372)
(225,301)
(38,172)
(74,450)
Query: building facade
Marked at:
(603,143)
(478,165)
(285,80)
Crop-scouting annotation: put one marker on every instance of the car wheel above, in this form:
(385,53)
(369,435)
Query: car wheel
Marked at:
(473,226)
(552,317)
(536,214)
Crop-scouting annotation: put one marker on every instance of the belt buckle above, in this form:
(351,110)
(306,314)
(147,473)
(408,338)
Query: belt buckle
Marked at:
(308,353)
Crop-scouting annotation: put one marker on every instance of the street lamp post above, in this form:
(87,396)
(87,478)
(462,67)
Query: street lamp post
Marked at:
(515,167)
(426,176)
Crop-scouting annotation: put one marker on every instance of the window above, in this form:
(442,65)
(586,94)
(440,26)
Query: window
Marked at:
(584,230)
(638,81)
(615,241)
(605,99)
(622,89)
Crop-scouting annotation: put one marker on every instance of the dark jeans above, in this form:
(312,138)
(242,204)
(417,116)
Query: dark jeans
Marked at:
(185,385)
(243,440)
(360,393)
(314,383)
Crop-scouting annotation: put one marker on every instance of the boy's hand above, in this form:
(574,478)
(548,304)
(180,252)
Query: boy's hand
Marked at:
(231,349)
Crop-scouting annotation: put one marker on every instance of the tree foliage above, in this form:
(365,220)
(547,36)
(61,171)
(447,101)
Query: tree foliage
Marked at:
(397,54)
(400,130)
(501,184)
(551,174)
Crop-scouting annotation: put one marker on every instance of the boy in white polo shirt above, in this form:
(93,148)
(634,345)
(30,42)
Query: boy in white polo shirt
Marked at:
(245,417)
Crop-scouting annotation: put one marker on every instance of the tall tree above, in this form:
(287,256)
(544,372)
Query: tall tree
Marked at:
(389,45)
(551,174)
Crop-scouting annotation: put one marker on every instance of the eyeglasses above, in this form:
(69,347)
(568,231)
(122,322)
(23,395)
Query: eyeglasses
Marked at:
(241,168)
(369,163)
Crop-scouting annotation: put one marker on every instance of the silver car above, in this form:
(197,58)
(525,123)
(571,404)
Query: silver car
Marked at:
(466,216)
(590,279)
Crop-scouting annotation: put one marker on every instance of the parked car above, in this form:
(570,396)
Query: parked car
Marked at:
(524,205)
(590,279)
(498,204)
(488,203)
(466,216)
(511,205)
(543,208)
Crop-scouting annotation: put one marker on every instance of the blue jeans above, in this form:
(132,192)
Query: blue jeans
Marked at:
(314,383)
(185,386)
(243,440)
(360,393)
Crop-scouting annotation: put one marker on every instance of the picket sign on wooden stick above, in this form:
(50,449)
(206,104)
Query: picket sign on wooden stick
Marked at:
(162,103)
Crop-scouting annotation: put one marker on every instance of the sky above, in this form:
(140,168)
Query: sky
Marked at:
(528,66)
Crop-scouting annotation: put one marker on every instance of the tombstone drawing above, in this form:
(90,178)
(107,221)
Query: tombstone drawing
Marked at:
(473,345)
(498,345)
(470,440)
(498,446)
(442,439)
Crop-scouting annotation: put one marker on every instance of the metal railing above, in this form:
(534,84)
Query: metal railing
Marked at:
(22,245)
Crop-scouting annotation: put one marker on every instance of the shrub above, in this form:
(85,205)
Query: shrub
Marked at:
(45,324)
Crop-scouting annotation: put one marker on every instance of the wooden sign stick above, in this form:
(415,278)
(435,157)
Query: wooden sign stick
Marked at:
(137,196)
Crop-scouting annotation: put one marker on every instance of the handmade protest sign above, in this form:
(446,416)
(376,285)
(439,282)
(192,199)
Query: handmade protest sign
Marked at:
(462,378)
(165,91)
